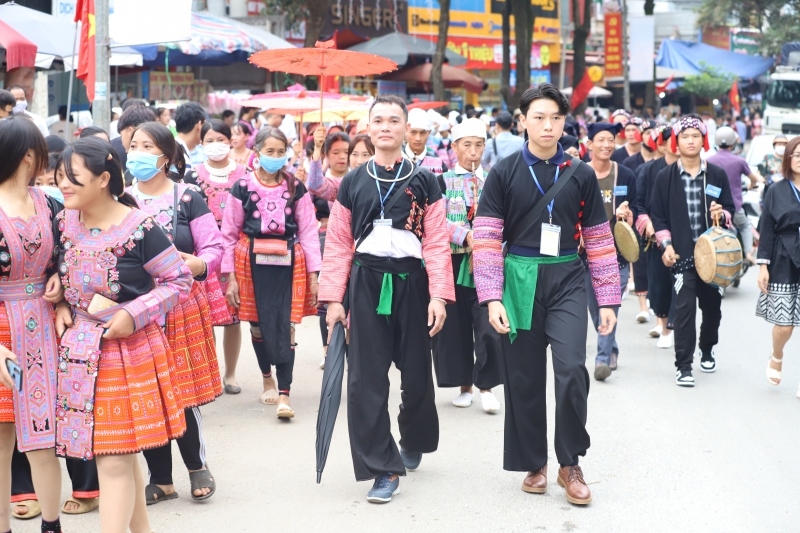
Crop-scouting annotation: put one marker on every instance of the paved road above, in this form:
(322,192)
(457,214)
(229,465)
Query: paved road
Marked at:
(719,457)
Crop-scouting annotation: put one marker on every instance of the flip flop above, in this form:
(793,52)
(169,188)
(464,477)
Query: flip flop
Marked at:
(85,505)
(33,507)
(202,479)
(269,397)
(154,494)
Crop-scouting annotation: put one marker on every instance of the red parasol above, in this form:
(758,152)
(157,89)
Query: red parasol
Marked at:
(322,60)
(416,104)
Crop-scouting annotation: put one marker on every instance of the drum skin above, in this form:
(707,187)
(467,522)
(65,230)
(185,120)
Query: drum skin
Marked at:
(718,257)
(627,242)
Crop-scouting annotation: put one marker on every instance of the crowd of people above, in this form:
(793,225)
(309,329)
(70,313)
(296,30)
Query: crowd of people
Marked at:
(454,248)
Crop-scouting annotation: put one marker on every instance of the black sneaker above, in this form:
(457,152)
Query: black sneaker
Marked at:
(708,363)
(684,378)
(601,371)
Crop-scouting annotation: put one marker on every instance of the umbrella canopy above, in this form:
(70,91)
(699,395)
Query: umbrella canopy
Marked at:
(453,77)
(330,396)
(51,35)
(210,32)
(20,52)
(322,60)
(596,92)
(350,112)
(300,101)
(401,48)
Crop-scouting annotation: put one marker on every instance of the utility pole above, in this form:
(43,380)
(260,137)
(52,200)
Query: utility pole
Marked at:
(101,110)
(626,91)
(566,27)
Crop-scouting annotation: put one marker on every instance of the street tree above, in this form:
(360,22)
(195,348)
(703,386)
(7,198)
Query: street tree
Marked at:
(710,83)
(313,12)
(777,20)
(437,80)
(511,98)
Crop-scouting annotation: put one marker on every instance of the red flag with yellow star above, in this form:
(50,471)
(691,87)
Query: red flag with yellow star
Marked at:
(87,67)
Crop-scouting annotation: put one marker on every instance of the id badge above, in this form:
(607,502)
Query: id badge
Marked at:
(621,190)
(550,243)
(382,230)
(713,191)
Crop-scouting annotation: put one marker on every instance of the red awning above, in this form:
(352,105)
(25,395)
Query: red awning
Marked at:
(20,52)
(453,77)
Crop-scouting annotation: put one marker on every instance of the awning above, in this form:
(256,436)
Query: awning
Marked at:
(688,57)
(20,52)
(402,48)
(452,77)
(215,41)
(51,35)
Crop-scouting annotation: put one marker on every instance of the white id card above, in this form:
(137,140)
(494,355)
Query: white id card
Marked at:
(382,231)
(550,243)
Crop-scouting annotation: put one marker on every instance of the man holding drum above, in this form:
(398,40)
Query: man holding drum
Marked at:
(617,188)
(689,195)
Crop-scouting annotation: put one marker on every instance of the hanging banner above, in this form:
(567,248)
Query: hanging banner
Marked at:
(642,38)
(487,54)
(613,50)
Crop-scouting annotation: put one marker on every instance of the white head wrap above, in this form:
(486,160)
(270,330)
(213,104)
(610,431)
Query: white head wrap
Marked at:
(471,127)
(418,119)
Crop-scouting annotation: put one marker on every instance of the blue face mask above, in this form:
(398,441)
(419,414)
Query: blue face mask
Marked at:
(272,164)
(143,166)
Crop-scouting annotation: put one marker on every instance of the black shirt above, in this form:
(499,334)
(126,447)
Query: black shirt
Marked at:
(510,192)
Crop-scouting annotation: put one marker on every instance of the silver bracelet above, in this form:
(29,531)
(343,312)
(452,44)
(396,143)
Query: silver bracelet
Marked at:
(440,300)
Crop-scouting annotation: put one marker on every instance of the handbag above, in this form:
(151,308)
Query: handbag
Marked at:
(272,252)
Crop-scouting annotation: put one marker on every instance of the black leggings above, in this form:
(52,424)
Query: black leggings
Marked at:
(283,371)
(191,445)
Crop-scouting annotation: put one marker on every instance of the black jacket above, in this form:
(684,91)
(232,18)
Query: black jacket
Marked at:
(669,209)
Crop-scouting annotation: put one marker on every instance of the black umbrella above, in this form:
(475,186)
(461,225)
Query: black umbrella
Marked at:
(401,48)
(331,395)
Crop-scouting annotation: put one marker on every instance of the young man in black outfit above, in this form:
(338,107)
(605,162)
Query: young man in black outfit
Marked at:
(688,195)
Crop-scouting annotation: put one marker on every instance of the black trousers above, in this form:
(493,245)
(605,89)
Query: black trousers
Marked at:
(689,291)
(284,372)
(467,350)
(560,321)
(641,275)
(192,448)
(377,341)
(660,283)
(83,474)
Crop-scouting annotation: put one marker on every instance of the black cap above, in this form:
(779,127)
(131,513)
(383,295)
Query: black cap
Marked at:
(504,120)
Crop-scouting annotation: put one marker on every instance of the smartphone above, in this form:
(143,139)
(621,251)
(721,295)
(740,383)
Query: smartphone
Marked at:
(15,371)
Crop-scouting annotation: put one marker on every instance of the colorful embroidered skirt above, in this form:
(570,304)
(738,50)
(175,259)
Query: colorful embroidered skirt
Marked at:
(301,293)
(190,334)
(6,396)
(221,313)
(137,400)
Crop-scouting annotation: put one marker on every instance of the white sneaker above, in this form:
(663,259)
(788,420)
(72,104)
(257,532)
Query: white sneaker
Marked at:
(489,402)
(322,364)
(643,317)
(463,400)
(656,331)
(665,341)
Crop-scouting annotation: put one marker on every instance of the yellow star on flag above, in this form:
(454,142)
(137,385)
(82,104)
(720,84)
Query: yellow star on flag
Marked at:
(92,25)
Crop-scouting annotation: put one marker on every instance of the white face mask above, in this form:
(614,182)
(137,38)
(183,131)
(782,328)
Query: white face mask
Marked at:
(780,150)
(217,151)
(20,107)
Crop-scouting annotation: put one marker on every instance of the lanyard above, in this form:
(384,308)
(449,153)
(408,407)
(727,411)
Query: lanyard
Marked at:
(378,185)
(794,188)
(538,186)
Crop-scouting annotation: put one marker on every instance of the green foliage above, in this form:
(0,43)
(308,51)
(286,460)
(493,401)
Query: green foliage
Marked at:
(295,11)
(778,20)
(710,83)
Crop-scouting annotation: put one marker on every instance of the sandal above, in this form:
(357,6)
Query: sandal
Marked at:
(202,479)
(154,494)
(33,507)
(269,397)
(85,505)
(285,411)
(774,375)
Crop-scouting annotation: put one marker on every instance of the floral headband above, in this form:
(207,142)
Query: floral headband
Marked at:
(619,112)
(686,123)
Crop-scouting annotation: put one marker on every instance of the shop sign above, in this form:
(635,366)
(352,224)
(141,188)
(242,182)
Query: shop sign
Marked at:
(613,45)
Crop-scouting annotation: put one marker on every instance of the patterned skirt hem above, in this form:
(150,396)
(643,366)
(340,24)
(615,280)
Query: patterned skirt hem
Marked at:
(781,305)
(136,449)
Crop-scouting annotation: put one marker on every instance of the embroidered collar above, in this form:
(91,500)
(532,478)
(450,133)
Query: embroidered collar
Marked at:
(461,171)
(531,159)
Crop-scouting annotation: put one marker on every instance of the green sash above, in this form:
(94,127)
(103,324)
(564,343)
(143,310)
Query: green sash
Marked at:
(519,289)
(465,277)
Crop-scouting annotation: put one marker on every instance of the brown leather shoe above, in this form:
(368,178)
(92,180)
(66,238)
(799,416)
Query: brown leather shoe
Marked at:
(571,478)
(536,482)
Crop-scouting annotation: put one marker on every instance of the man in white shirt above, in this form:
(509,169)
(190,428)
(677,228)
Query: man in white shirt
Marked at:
(189,119)
(21,109)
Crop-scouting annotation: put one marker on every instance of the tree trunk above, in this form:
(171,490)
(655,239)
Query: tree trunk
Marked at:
(582,27)
(317,11)
(510,98)
(441,46)
(523,28)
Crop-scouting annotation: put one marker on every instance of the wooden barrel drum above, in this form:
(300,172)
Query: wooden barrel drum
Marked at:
(718,257)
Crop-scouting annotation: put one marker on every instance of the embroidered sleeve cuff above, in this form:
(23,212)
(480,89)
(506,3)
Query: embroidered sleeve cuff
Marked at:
(487,258)
(458,234)
(641,223)
(664,238)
